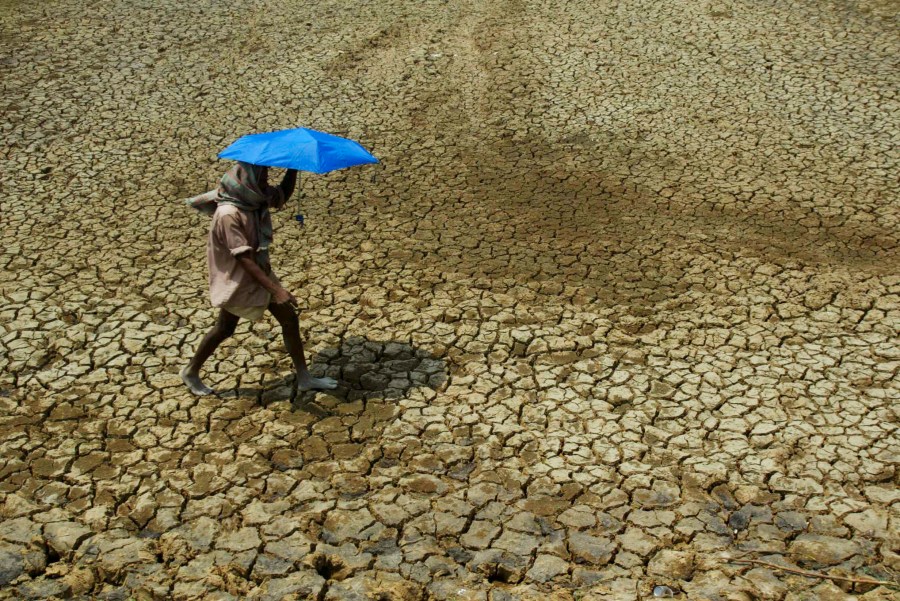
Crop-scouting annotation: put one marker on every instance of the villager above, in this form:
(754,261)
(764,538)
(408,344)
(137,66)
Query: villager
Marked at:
(241,281)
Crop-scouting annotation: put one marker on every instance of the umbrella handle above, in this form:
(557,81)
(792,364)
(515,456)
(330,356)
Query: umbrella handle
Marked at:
(299,216)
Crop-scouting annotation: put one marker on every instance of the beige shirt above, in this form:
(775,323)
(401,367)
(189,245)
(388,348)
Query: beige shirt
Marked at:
(231,233)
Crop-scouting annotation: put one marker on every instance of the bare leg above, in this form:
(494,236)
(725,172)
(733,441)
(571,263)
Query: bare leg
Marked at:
(223,329)
(290,330)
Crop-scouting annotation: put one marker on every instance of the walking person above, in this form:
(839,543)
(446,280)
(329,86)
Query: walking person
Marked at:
(241,281)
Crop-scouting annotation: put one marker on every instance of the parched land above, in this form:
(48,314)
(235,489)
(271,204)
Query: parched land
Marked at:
(618,310)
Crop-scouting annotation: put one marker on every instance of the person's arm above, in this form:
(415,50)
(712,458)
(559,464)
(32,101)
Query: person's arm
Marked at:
(288,183)
(278,195)
(229,232)
(280,296)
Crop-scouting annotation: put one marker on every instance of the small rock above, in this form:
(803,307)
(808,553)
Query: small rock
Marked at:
(341,525)
(304,584)
(591,550)
(547,567)
(822,550)
(43,588)
(11,564)
(267,566)
(64,537)
(293,548)
(241,540)
(765,584)
(19,530)
(870,522)
(672,564)
(480,534)
(579,517)
(791,521)
(638,542)
(619,395)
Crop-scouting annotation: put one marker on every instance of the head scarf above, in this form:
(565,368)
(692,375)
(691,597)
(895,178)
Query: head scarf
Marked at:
(240,187)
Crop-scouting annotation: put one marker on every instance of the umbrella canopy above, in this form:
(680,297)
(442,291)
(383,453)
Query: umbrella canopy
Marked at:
(301,148)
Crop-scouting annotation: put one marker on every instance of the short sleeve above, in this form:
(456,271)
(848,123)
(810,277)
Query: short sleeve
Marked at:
(230,230)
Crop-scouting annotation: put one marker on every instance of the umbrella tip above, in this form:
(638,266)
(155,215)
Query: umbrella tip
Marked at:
(299,219)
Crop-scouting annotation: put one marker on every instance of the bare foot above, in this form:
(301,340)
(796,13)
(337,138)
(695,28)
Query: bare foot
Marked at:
(194,383)
(307,382)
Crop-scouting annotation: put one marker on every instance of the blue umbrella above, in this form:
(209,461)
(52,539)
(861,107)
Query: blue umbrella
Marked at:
(301,148)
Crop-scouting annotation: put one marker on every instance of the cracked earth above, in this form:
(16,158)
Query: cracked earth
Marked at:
(619,307)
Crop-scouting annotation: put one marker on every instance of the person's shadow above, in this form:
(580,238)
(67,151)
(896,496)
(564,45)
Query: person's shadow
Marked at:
(369,369)
(365,370)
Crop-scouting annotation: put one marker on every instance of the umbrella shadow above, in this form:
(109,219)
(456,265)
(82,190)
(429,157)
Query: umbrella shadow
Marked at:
(372,369)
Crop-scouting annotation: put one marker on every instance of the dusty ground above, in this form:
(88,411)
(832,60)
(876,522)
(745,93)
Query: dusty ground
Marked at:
(620,304)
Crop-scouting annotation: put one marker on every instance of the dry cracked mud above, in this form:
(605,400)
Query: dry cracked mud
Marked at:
(619,306)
